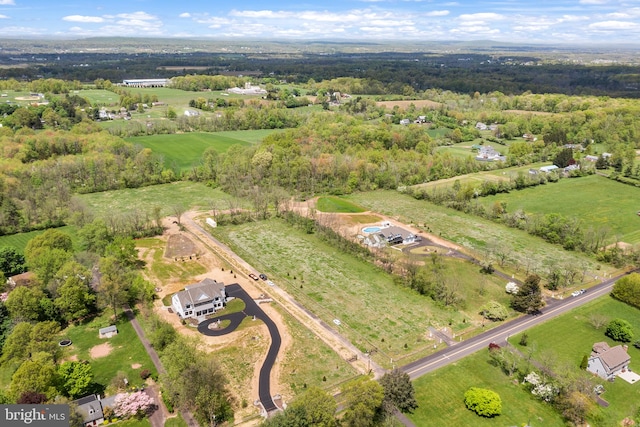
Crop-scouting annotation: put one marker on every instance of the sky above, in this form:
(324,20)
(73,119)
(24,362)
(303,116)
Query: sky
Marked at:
(542,21)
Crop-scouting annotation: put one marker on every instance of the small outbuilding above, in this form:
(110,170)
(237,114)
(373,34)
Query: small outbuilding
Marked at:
(108,332)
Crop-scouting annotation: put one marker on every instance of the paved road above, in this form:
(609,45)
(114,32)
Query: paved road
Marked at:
(503,332)
(251,309)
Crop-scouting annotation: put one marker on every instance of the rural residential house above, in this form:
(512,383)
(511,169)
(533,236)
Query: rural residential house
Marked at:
(607,362)
(90,408)
(199,299)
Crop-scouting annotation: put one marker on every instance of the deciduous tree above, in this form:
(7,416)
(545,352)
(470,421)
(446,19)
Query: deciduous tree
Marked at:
(398,392)
(364,399)
(76,379)
(619,330)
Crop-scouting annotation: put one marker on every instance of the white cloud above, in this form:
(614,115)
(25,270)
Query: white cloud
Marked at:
(614,25)
(80,18)
(137,16)
(4,17)
(185,15)
(594,1)
(438,13)
(484,16)
(7,2)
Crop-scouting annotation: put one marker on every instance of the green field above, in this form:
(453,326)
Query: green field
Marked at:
(183,151)
(127,350)
(337,204)
(100,97)
(595,200)
(20,240)
(440,397)
(476,234)
(183,193)
(567,338)
(373,310)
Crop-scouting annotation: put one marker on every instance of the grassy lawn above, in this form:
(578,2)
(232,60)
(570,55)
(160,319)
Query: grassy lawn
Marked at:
(99,97)
(314,273)
(175,422)
(188,194)
(126,350)
(20,240)
(337,204)
(137,423)
(440,396)
(566,339)
(474,233)
(595,200)
(183,151)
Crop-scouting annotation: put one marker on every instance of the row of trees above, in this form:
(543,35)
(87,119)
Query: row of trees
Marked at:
(367,402)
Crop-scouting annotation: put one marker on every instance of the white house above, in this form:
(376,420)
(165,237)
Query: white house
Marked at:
(607,362)
(199,299)
(548,169)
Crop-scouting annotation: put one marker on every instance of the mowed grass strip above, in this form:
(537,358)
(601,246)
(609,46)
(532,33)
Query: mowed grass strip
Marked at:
(183,151)
(20,240)
(99,97)
(440,397)
(165,196)
(372,309)
(126,350)
(337,205)
(477,234)
(566,339)
(597,201)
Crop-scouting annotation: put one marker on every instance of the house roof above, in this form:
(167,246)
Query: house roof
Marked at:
(206,290)
(90,408)
(612,358)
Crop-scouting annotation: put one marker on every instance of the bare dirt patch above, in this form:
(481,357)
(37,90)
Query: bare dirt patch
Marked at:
(136,366)
(179,245)
(418,103)
(100,350)
(27,98)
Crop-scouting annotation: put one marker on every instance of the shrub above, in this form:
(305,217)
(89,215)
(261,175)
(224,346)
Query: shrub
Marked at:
(627,290)
(619,330)
(145,373)
(484,402)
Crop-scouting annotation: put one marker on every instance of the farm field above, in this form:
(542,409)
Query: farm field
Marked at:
(474,233)
(440,396)
(166,196)
(314,273)
(126,352)
(567,338)
(183,151)
(595,200)
(20,240)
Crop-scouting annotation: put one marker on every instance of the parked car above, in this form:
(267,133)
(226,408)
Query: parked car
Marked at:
(337,322)
(263,276)
(576,293)
(270,283)
(253,276)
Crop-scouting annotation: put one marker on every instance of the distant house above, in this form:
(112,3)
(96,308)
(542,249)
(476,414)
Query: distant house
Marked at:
(199,299)
(90,408)
(108,332)
(591,158)
(23,279)
(481,126)
(405,122)
(548,169)
(607,362)
(248,89)
(488,154)
(191,113)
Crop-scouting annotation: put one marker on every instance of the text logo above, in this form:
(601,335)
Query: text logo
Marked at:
(34,415)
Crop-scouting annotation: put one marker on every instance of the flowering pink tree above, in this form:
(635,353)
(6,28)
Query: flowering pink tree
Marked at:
(128,405)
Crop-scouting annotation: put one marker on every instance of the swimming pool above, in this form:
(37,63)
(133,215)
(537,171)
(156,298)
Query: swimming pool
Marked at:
(371,229)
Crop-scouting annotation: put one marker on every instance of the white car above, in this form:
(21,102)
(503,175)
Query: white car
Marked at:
(576,293)
(270,283)
(337,322)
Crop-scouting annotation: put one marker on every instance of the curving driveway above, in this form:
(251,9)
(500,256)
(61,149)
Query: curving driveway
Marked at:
(251,309)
